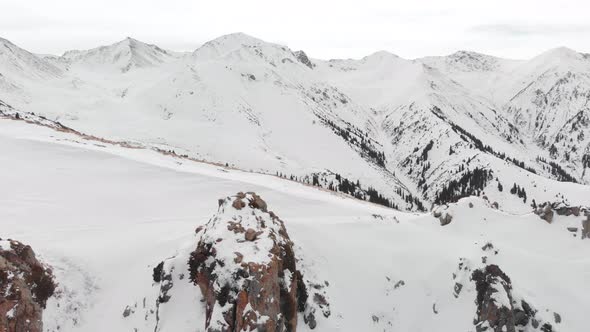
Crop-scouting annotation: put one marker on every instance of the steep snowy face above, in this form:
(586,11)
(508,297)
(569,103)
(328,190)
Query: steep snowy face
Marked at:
(290,120)
(552,106)
(16,62)
(465,61)
(413,130)
(378,80)
(481,74)
(240,47)
(122,56)
(555,87)
(19,69)
(434,130)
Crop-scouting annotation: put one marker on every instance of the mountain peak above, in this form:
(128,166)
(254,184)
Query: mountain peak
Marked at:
(243,47)
(238,36)
(230,42)
(130,41)
(468,61)
(382,54)
(561,52)
(560,58)
(465,53)
(5,41)
(124,55)
(380,57)
(23,63)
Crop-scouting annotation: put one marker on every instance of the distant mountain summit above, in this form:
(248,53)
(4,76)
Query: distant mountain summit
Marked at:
(124,56)
(19,63)
(402,133)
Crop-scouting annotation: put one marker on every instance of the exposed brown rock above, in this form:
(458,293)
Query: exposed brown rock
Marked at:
(256,202)
(253,284)
(250,234)
(25,286)
(238,203)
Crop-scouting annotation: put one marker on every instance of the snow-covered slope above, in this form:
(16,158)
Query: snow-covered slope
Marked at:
(23,64)
(437,126)
(551,108)
(406,133)
(121,56)
(104,216)
(19,69)
(545,98)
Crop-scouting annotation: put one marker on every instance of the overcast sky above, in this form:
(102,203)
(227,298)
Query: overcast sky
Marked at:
(323,28)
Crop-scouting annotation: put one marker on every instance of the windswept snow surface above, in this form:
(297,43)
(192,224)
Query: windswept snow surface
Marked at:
(104,216)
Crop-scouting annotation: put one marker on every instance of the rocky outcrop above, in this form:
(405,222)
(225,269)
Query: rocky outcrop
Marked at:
(494,300)
(586,227)
(246,269)
(303,58)
(548,210)
(25,286)
(497,308)
(443,214)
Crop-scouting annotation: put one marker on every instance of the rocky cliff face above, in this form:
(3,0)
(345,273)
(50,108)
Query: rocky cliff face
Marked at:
(548,211)
(246,270)
(25,286)
(498,310)
(240,273)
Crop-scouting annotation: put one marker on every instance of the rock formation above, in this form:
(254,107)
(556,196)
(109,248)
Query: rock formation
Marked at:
(586,227)
(245,267)
(497,308)
(547,210)
(494,300)
(443,214)
(25,286)
(302,57)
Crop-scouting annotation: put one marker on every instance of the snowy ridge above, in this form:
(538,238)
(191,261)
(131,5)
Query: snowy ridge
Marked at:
(14,61)
(418,276)
(369,121)
(124,56)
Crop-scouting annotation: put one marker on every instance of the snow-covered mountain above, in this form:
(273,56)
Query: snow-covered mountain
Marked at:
(545,98)
(406,133)
(23,64)
(136,175)
(118,225)
(120,57)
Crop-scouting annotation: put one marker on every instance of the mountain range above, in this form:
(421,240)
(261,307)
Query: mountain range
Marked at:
(248,186)
(403,133)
